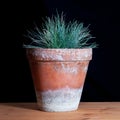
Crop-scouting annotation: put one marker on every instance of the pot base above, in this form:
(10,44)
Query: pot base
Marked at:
(64,99)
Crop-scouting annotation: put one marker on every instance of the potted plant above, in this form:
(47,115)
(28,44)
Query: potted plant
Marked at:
(59,54)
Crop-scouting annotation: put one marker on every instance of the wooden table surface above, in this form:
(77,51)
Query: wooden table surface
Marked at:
(86,111)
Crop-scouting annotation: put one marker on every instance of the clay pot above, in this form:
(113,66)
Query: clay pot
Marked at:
(59,76)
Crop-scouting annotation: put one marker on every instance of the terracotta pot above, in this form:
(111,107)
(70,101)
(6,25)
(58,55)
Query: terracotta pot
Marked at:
(59,76)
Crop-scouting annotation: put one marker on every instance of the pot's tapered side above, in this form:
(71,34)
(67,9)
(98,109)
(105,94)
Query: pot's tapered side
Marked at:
(59,76)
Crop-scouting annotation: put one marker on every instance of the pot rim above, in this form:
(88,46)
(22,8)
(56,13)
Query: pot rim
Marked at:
(47,54)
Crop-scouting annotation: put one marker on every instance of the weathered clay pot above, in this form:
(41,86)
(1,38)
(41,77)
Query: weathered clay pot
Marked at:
(59,76)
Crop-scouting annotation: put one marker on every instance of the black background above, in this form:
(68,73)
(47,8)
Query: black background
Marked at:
(103,77)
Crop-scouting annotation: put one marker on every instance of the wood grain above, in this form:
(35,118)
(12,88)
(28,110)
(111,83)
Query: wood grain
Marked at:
(86,111)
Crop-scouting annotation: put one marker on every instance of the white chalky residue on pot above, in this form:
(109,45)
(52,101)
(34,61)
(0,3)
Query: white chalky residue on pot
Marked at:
(85,68)
(64,99)
(51,56)
(86,54)
(45,55)
(68,68)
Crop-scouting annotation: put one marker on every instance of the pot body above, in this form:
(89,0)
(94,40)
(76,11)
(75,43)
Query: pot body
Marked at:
(58,76)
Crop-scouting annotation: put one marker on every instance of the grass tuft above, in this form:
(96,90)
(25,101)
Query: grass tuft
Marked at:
(56,33)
